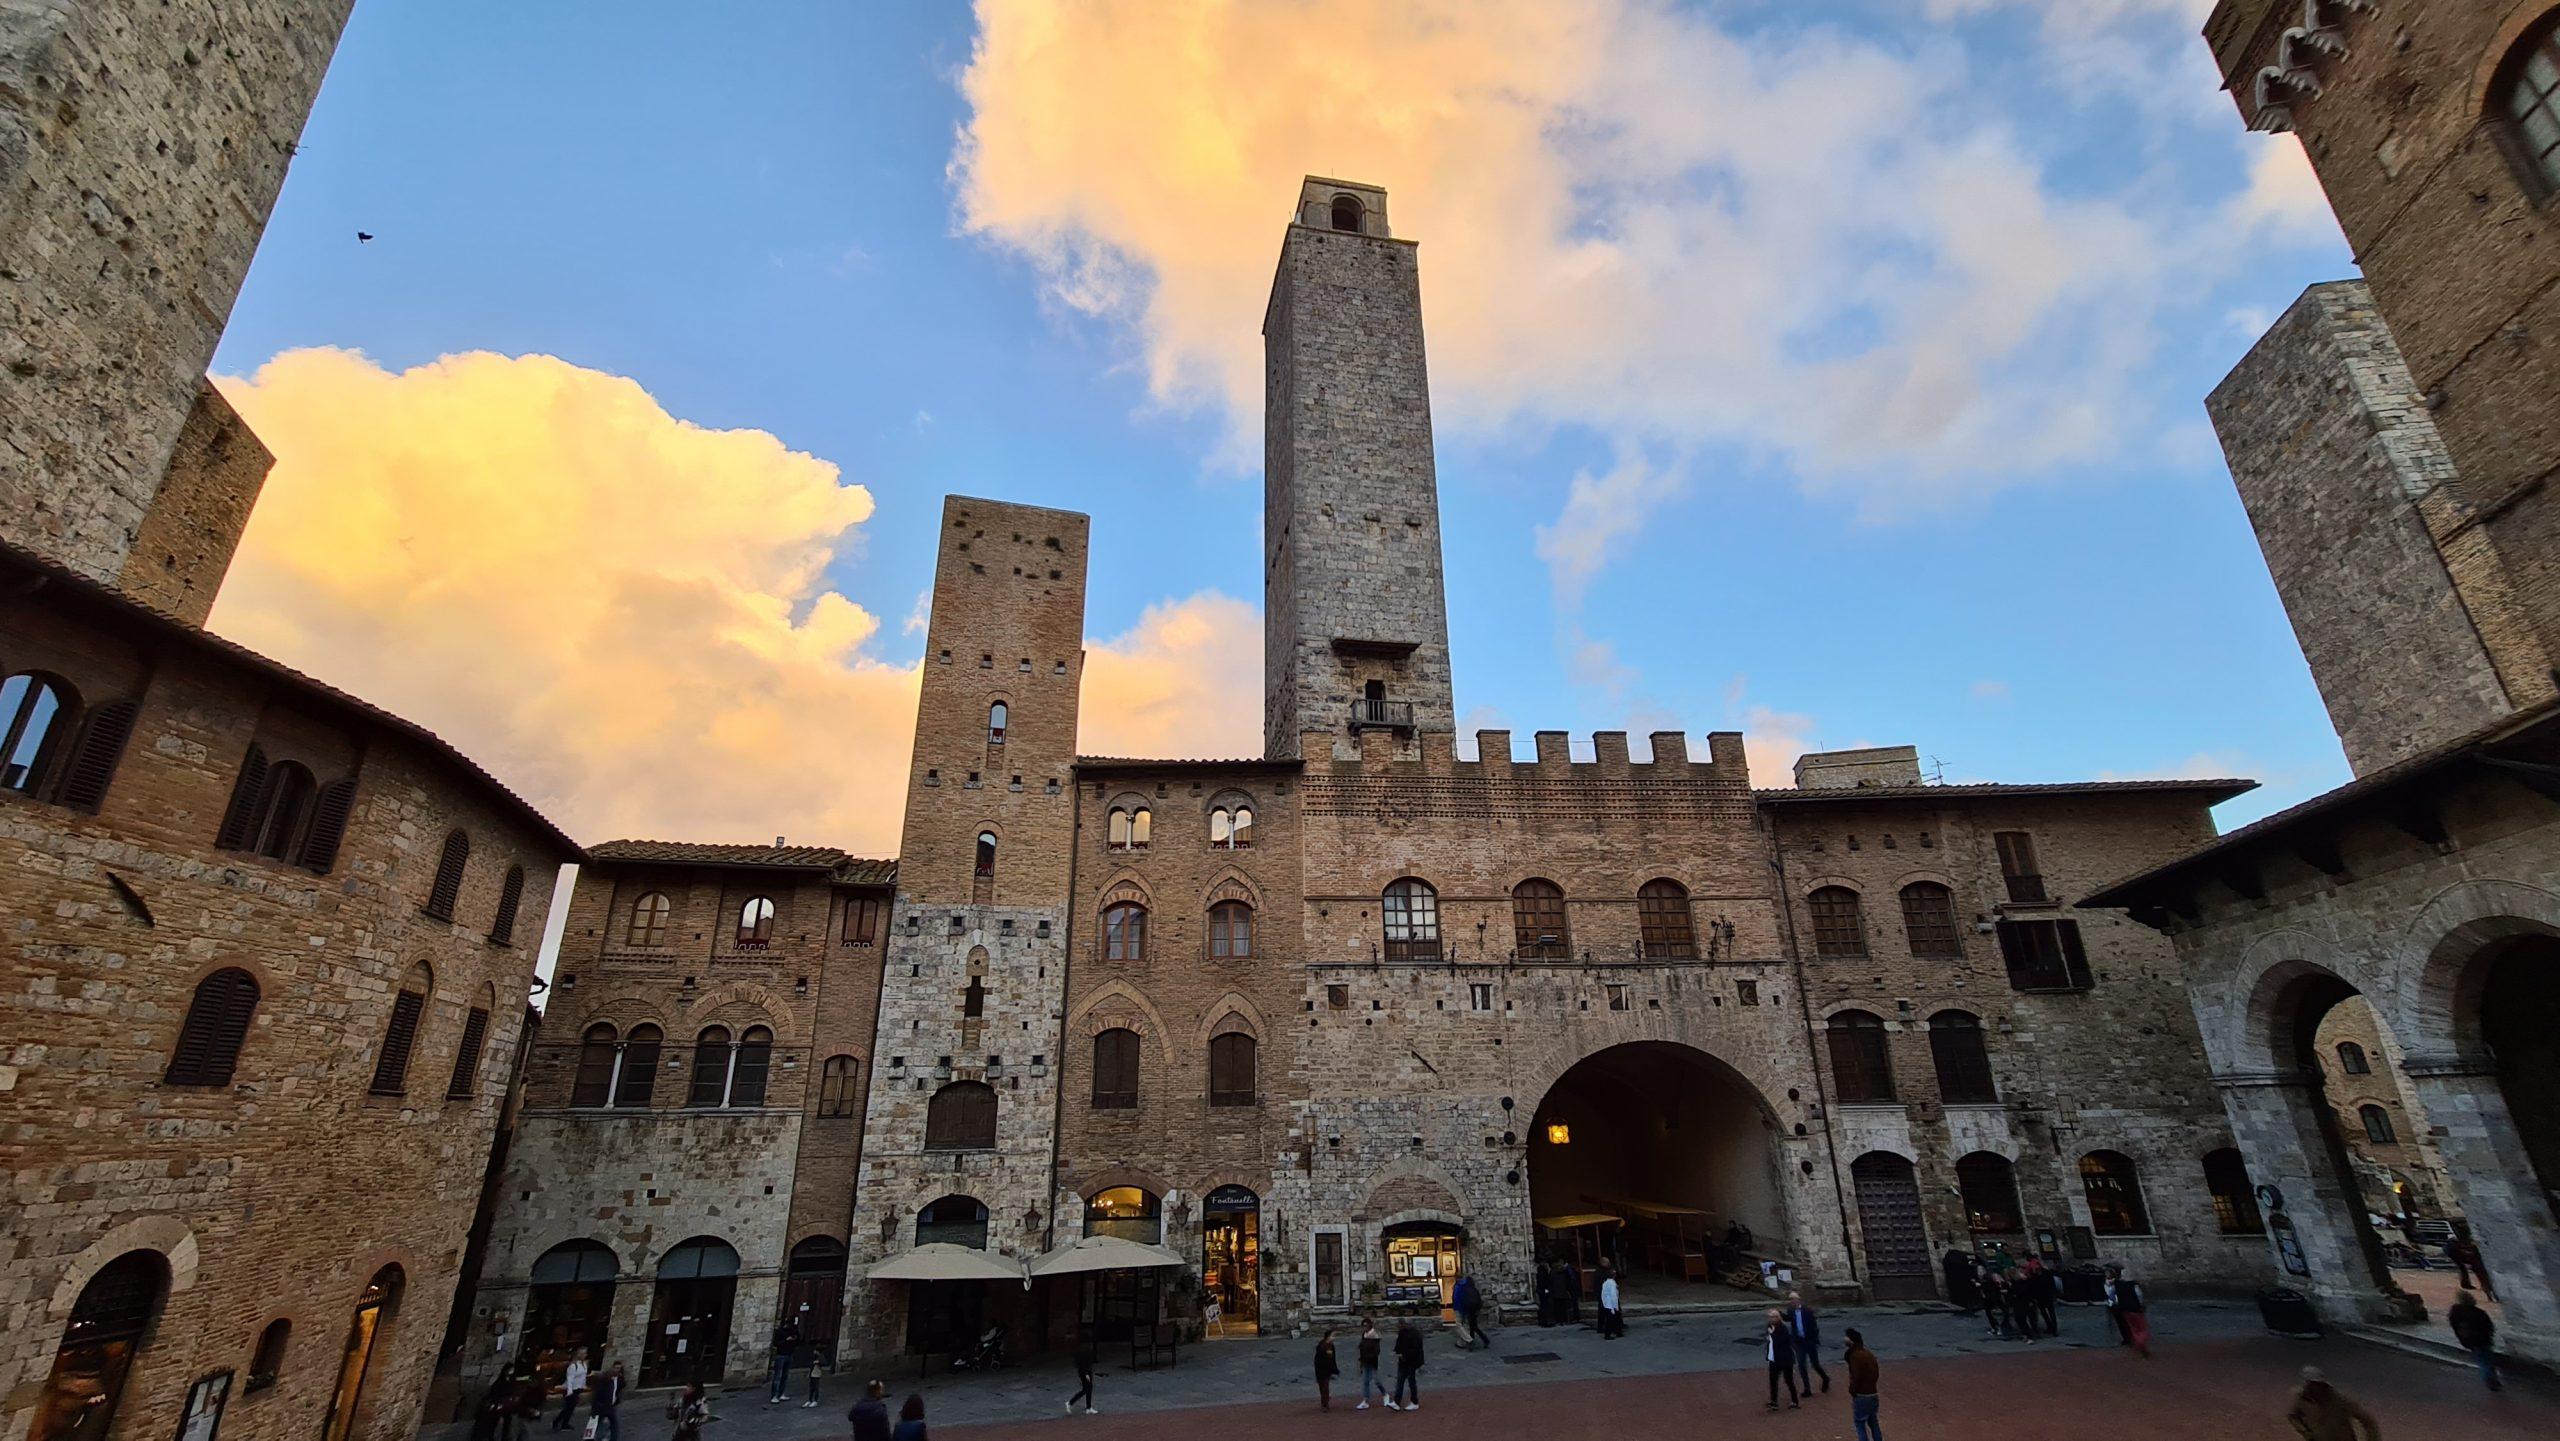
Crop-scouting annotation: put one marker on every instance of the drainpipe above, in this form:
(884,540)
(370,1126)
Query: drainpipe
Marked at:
(1066,977)
(1804,1012)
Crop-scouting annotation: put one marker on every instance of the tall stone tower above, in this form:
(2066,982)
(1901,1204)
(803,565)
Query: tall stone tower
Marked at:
(142,143)
(1355,627)
(963,1097)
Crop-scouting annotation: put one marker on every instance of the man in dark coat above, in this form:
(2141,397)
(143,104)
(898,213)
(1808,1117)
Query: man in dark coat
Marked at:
(1408,1368)
(1780,1346)
(2478,1335)
(870,1415)
(1806,1330)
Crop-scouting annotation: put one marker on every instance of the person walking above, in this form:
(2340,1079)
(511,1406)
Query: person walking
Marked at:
(1408,1368)
(2478,1335)
(1995,1302)
(1612,1326)
(1326,1369)
(2136,1313)
(604,1403)
(1369,1365)
(2321,1412)
(1862,1388)
(1781,1348)
(1572,1292)
(1806,1331)
(2022,1304)
(786,1344)
(870,1415)
(573,1383)
(1470,1303)
(2047,1296)
(2115,1311)
(910,1420)
(691,1412)
(2464,1252)
(1088,1356)
(495,1404)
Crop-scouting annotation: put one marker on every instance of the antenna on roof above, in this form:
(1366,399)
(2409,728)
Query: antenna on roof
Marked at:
(1936,775)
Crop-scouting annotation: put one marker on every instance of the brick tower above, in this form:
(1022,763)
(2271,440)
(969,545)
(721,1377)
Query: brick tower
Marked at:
(1355,629)
(963,1097)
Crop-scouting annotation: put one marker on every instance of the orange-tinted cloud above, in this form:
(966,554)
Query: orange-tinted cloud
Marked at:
(622,614)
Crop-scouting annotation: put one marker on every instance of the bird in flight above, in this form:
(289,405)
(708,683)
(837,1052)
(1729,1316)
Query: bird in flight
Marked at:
(363,235)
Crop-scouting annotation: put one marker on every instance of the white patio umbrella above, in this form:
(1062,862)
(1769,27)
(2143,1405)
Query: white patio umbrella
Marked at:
(1102,1253)
(944,1261)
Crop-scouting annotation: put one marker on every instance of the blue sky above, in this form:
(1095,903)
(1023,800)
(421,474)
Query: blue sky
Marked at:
(878,234)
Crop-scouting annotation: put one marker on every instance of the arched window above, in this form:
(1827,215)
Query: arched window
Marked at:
(2351,1059)
(1537,921)
(995,723)
(1127,1212)
(115,1311)
(1347,212)
(649,920)
(986,869)
(1929,920)
(755,922)
(750,1067)
(710,1068)
(599,1056)
(1964,1064)
(1230,931)
(1230,828)
(290,791)
(217,1026)
(447,889)
(375,1307)
(1989,1185)
(2377,1125)
(35,715)
(400,1038)
(953,1221)
(1131,826)
(730,1075)
(1860,1067)
(1124,932)
(466,1056)
(1115,1070)
(635,1080)
(1838,929)
(1231,1078)
(267,1362)
(502,926)
(1663,923)
(2235,1201)
(1412,912)
(837,1084)
(2114,1190)
(961,1117)
(2526,98)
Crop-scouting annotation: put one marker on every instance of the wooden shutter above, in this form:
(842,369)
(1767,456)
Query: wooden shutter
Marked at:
(1231,1070)
(1963,1061)
(502,929)
(391,1073)
(329,812)
(2075,958)
(93,760)
(1860,1066)
(216,1027)
(448,885)
(247,794)
(466,1059)
(1115,1070)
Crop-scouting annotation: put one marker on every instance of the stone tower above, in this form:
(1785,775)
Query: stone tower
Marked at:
(142,143)
(977,960)
(1355,628)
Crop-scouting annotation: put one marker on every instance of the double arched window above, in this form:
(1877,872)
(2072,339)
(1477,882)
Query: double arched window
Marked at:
(2525,99)
(755,923)
(1538,930)
(1861,1068)
(649,920)
(1929,920)
(1231,827)
(839,1087)
(2114,1190)
(961,1117)
(1663,921)
(1839,930)
(1124,932)
(216,1027)
(616,1071)
(1130,827)
(1963,1062)
(2377,1125)
(1230,931)
(279,812)
(730,1074)
(1412,915)
(1115,1070)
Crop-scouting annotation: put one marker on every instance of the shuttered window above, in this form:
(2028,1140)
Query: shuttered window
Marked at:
(466,1057)
(1663,921)
(248,791)
(2018,866)
(1929,921)
(391,1071)
(2044,956)
(1839,930)
(447,889)
(1115,1070)
(1537,922)
(1861,1069)
(1231,1069)
(502,927)
(283,812)
(837,1084)
(861,920)
(329,812)
(216,1027)
(961,1117)
(94,758)
(1963,1062)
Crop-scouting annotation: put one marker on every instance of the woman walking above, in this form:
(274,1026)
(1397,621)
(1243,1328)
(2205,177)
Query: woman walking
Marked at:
(2135,1314)
(1326,1369)
(1369,1365)
(1087,1357)
(910,1420)
(691,1412)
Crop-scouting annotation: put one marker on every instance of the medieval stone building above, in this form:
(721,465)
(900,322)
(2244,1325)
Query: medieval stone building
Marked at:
(2394,440)
(1336,1024)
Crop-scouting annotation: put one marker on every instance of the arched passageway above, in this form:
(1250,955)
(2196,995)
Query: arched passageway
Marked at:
(1674,1142)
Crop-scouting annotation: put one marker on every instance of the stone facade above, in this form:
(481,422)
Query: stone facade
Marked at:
(2349,488)
(184,546)
(277,1190)
(2400,1170)
(142,144)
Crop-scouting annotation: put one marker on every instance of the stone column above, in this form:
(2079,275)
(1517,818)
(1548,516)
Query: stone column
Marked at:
(2273,1117)
(2495,1186)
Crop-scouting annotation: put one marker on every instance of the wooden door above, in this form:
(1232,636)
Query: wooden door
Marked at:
(1897,1243)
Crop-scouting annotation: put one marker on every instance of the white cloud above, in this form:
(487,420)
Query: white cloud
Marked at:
(2284,198)
(1771,741)
(2203,765)
(1599,513)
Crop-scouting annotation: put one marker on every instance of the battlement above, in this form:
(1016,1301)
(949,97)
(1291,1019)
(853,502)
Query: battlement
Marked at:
(1435,754)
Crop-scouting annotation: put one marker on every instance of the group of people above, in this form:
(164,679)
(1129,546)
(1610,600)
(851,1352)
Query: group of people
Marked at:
(517,1398)
(1407,1395)
(790,1347)
(2022,1300)
(1560,1298)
